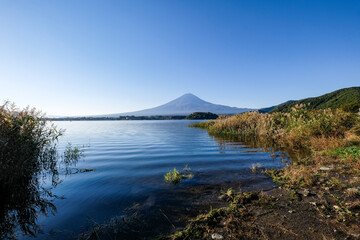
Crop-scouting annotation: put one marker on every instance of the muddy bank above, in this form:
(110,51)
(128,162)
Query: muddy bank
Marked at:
(318,195)
(326,210)
(166,212)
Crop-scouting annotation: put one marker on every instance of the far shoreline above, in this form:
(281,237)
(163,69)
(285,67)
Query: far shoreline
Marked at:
(192,116)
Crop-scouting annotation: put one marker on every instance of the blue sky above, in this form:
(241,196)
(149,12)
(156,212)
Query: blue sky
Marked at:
(93,57)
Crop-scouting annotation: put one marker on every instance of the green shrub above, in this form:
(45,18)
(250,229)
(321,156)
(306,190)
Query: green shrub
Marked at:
(28,157)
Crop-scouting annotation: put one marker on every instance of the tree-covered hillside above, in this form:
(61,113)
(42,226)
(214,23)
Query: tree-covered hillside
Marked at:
(342,98)
(202,115)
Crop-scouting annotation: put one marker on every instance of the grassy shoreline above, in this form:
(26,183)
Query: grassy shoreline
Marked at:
(318,195)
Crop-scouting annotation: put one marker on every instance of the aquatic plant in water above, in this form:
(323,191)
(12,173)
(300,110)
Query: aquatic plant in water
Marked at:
(28,163)
(174,176)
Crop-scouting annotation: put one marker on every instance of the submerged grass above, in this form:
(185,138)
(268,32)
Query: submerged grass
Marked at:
(174,176)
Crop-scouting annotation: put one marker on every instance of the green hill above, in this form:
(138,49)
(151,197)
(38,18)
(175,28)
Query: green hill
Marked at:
(347,99)
(269,109)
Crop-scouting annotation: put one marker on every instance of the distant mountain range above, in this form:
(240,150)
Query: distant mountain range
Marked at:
(184,105)
(189,103)
(331,100)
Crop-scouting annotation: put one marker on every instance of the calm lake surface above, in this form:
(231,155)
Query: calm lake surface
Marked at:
(130,159)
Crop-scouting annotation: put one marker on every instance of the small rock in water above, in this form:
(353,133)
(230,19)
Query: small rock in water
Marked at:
(216,236)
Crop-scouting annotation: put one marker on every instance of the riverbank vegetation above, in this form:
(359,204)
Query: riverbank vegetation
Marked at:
(298,129)
(28,159)
(319,188)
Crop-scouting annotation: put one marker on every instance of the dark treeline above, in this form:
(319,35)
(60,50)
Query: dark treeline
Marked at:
(118,118)
(193,116)
(202,115)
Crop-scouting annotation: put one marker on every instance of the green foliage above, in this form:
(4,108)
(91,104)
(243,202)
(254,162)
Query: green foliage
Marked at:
(202,115)
(28,156)
(331,100)
(174,176)
(268,109)
(347,152)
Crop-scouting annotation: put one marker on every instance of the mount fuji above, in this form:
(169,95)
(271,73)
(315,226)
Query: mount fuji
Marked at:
(184,105)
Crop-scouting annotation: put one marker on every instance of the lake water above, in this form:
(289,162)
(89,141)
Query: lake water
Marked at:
(130,159)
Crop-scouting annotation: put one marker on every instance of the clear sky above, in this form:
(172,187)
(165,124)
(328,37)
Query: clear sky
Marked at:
(70,57)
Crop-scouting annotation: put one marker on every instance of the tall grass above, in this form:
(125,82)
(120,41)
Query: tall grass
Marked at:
(297,129)
(28,158)
(328,137)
